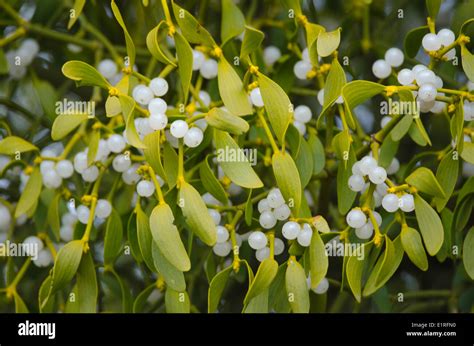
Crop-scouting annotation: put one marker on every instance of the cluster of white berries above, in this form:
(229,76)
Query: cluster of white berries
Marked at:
(52,171)
(207,66)
(468,108)
(19,59)
(382,68)
(364,228)
(90,173)
(432,42)
(391,202)
(293,230)
(428,83)
(103,209)
(272,209)
(68,222)
(259,242)
(303,66)
(302,115)
(367,166)
(43,257)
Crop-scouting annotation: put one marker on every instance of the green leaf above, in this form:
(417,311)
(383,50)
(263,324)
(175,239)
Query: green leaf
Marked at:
(53,215)
(411,241)
(468,254)
(66,265)
(47,96)
(345,196)
(413,40)
(94,139)
(43,296)
(328,42)
(185,62)
(277,105)
(64,124)
(457,125)
(12,145)
(422,132)
(174,278)
(84,74)
(265,274)
(141,300)
(211,183)
(77,10)
(287,178)
(312,33)
(170,164)
(196,214)
(319,156)
(177,302)
(293,5)
(258,304)
(385,267)
(335,81)
(402,127)
(446,175)
(86,283)
(321,224)
(216,288)
(231,89)
(433,8)
(430,225)
(3,63)
(277,298)
(30,193)
(191,29)
(342,145)
(132,236)
(304,163)
(249,209)
(468,152)
(145,238)
(153,39)
(296,288)
(128,38)
(128,105)
(20,306)
(425,181)
(113,237)
(233,21)
(152,152)
(166,236)
(354,271)
(388,150)
(225,121)
(233,161)
(253,38)
(318,259)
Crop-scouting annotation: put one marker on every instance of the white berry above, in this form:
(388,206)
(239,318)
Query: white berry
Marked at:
(356,183)
(322,287)
(301,69)
(407,203)
(291,230)
(303,114)
(381,69)
(263,205)
(116,143)
(377,175)
(145,188)
(222,234)
(394,57)
(193,137)
(267,220)
(159,86)
(215,215)
(158,121)
(446,37)
(262,254)
(390,202)
(121,163)
(282,212)
(179,128)
(107,68)
(256,97)
(271,54)
(208,69)
(257,240)
(304,237)
(198,59)
(431,42)
(142,94)
(365,232)
(83,214)
(406,76)
(356,218)
(103,208)
(278,246)
(222,249)
(275,198)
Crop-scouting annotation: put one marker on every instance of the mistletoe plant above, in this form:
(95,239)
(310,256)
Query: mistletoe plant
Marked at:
(266,164)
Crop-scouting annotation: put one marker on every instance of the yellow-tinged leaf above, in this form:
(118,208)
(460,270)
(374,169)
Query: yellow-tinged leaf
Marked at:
(287,178)
(411,241)
(128,39)
(153,39)
(296,287)
(318,259)
(225,121)
(30,193)
(265,274)
(252,40)
(328,42)
(64,124)
(12,145)
(231,89)
(84,74)
(128,105)
(430,225)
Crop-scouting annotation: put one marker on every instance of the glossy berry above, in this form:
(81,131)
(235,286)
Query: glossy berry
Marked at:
(256,97)
(427,93)
(377,175)
(263,205)
(116,143)
(208,69)
(51,179)
(83,214)
(159,86)
(390,202)
(107,68)
(198,59)
(121,163)
(222,249)
(275,198)
(262,254)
(271,54)
(158,121)
(356,183)
(356,169)
(381,69)
(431,42)
(179,128)
(44,259)
(303,114)
(145,188)
(65,168)
(157,106)
(301,69)
(446,37)
(291,230)
(278,246)
(215,215)
(282,212)
(301,127)
(257,240)
(34,244)
(193,137)
(407,203)
(130,176)
(425,77)
(394,57)
(267,220)
(356,218)
(103,208)
(406,76)
(222,234)
(205,97)
(304,237)
(66,233)
(142,94)
(367,164)
(322,287)
(365,232)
